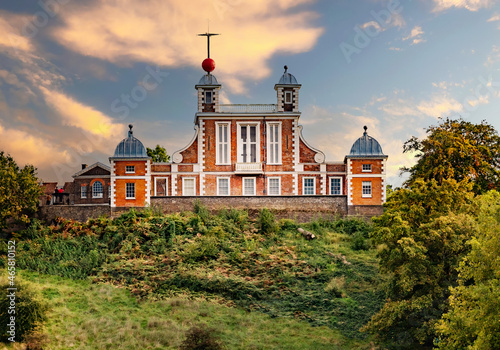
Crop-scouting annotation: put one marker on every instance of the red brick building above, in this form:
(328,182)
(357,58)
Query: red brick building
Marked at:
(248,150)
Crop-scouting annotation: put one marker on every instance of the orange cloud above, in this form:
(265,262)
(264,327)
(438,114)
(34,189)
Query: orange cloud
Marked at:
(164,33)
(81,116)
(11,36)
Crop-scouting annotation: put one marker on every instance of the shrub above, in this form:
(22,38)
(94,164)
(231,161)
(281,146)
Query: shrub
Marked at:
(266,222)
(336,287)
(201,210)
(359,242)
(201,338)
(30,310)
(287,224)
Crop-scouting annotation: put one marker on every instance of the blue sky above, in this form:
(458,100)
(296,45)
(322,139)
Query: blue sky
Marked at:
(74,74)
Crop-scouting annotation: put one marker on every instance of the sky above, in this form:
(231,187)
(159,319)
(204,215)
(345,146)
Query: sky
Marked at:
(74,74)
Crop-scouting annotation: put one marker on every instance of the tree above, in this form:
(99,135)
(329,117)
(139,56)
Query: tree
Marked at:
(19,191)
(460,150)
(472,321)
(422,236)
(159,154)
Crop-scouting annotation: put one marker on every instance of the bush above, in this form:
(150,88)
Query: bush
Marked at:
(30,310)
(359,242)
(201,338)
(266,222)
(352,225)
(287,224)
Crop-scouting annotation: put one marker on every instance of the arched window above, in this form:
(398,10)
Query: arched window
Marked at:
(97,189)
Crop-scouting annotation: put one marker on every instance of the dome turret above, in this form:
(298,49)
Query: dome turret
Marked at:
(287,78)
(130,147)
(366,146)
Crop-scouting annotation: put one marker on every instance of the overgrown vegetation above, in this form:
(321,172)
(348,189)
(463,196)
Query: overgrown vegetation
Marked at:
(263,265)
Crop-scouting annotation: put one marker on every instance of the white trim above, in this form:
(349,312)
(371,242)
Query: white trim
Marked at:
(330,185)
(304,187)
(102,193)
(309,146)
(148,182)
(166,185)
(367,175)
(363,195)
(86,191)
(239,148)
(184,186)
(94,177)
(178,154)
(279,141)
(269,185)
(113,178)
(90,167)
(288,93)
(218,140)
(228,185)
(145,177)
(254,186)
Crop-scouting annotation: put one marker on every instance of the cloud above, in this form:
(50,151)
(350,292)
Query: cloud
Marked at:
(493,57)
(29,149)
(494,18)
(11,37)
(81,116)
(415,35)
(164,33)
(471,5)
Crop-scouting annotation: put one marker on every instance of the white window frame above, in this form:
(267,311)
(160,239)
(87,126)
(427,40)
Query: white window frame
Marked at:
(83,194)
(166,185)
(254,186)
(368,169)
(218,140)
(271,126)
(330,185)
(207,92)
(369,185)
(304,186)
(269,186)
(240,142)
(130,171)
(184,186)
(288,97)
(97,194)
(126,192)
(228,186)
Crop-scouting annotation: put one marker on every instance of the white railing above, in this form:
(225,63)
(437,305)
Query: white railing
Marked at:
(256,108)
(248,168)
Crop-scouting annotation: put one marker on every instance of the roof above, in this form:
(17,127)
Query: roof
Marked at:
(49,187)
(208,79)
(287,79)
(130,147)
(366,146)
(93,166)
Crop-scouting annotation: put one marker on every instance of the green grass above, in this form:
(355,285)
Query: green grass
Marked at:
(99,316)
(227,261)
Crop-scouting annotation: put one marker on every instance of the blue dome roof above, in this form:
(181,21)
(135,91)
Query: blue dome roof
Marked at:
(287,78)
(130,147)
(208,79)
(366,146)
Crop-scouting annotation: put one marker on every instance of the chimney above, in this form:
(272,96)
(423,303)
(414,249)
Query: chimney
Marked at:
(84,166)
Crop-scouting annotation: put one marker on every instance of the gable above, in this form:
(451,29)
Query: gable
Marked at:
(96,171)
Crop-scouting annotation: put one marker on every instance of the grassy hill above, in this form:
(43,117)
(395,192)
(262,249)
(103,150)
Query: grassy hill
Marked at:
(144,280)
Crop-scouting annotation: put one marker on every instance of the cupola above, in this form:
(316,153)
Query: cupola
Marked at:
(287,92)
(130,147)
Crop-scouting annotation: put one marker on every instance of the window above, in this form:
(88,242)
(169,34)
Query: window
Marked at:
(130,191)
(97,189)
(274,186)
(161,186)
(208,97)
(336,185)
(188,186)
(223,186)
(309,186)
(367,189)
(288,97)
(223,137)
(248,141)
(83,191)
(367,168)
(249,186)
(130,169)
(274,143)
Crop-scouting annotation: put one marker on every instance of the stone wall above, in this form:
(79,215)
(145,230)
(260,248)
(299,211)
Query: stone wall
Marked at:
(49,213)
(365,210)
(300,208)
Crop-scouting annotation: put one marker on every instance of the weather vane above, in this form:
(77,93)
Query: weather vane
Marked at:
(208,64)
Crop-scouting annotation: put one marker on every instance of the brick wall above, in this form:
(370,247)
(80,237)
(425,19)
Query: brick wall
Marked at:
(49,213)
(190,155)
(375,199)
